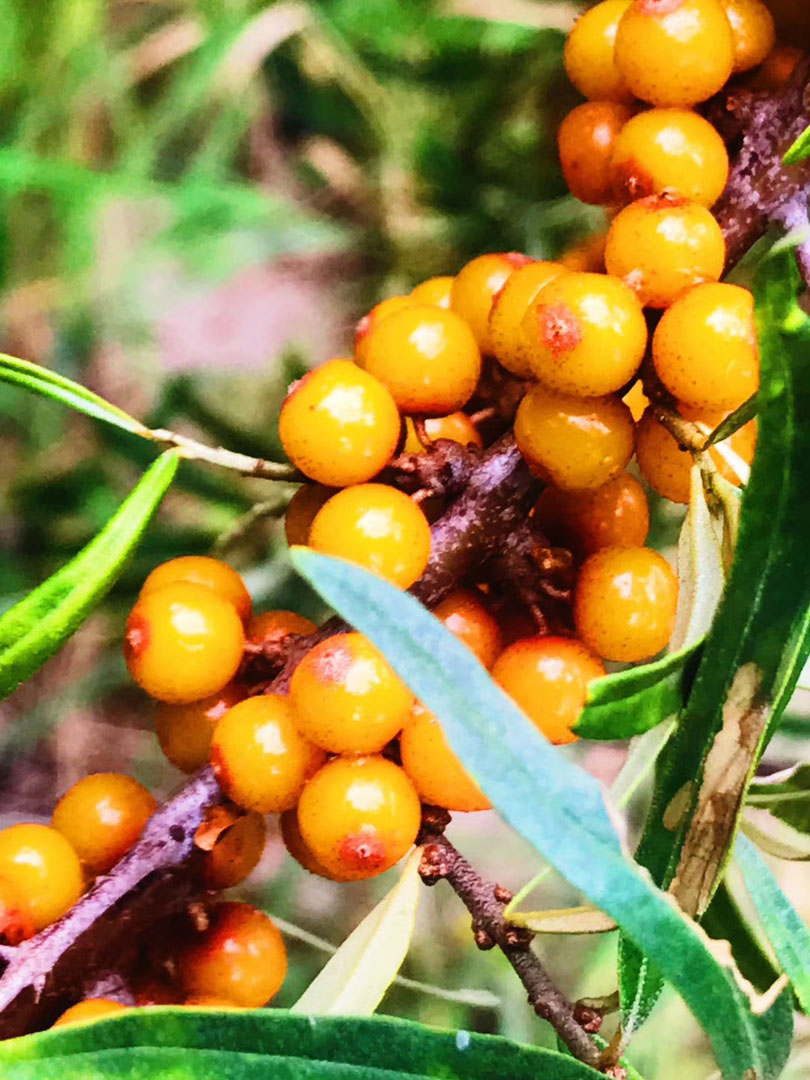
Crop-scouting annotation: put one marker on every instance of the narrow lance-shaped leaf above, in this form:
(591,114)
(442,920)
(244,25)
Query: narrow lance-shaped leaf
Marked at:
(565,816)
(49,384)
(35,628)
(758,645)
(355,980)
(784,927)
(799,149)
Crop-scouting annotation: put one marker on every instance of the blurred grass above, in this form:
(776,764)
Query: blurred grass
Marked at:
(199,198)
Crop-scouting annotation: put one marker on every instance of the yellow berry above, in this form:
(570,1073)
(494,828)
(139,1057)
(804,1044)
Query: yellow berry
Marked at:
(102,816)
(42,865)
(434,770)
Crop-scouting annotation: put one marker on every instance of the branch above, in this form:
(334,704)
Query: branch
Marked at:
(485,902)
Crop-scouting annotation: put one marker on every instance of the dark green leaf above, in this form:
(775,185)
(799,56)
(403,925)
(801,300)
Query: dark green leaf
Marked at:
(784,928)
(209,1045)
(799,150)
(725,921)
(35,628)
(786,795)
(47,383)
(759,640)
(553,803)
(734,421)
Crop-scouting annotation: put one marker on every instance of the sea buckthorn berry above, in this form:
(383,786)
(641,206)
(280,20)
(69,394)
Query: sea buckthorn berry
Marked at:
(457,427)
(669,150)
(624,603)
(585,334)
(675,52)
(377,527)
(508,308)
(574,443)
(303,507)
(548,678)
(42,866)
(260,758)
(339,425)
(435,290)
(185,731)
(427,357)
(636,400)
(183,642)
(270,627)
(705,347)
(777,68)
(374,318)
(358,816)
(236,853)
(90,1009)
(16,922)
(209,1001)
(346,696)
(434,770)
(662,245)
(587,256)
(202,570)
(589,53)
(614,515)
(667,468)
(102,816)
(295,845)
(586,141)
(742,443)
(467,617)
(240,957)
(753,32)
(477,283)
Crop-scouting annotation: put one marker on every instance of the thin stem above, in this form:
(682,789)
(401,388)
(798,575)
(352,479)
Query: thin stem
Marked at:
(226,459)
(270,508)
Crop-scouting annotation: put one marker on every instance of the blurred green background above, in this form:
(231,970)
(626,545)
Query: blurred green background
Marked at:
(199,199)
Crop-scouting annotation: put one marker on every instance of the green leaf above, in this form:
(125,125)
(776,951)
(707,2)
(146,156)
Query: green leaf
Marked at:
(49,384)
(355,980)
(758,644)
(799,149)
(554,804)
(734,421)
(633,701)
(167,1044)
(784,928)
(582,919)
(785,794)
(37,627)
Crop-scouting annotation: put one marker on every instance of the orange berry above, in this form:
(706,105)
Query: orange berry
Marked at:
(509,306)
(426,356)
(585,334)
(548,678)
(40,864)
(705,347)
(209,1001)
(346,696)
(295,845)
(377,527)
(183,642)
(236,853)
(589,53)
(572,442)
(435,290)
(624,603)
(675,52)
(661,245)
(586,256)
(457,427)
(260,758)
(586,141)
(16,922)
(777,68)
(303,507)
(270,627)
(476,284)
(467,617)
(752,30)
(202,570)
(241,957)
(374,318)
(185,731)
(667,468)
(359,816)
(90,1009)
(434,770)
(339,425)
(669,150)
(614,515)
(636,400)
(102,816)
